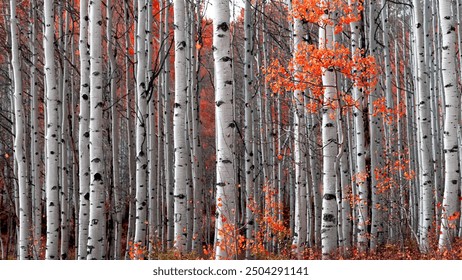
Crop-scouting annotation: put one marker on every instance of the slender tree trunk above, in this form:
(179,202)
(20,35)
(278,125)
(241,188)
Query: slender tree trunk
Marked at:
(248,135)
(84,132)
(35,147)
(19,141)
(424,130)
(97,184)
(141,129)
(450,214)
(329,152)
(300,181)
(52,133)
(224,125)
(179,127)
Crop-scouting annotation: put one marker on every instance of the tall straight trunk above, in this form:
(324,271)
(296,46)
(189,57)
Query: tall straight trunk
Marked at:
(160,134)
(115,134)
(375,127)
(168,151)
(179,126)
(300,230)
(329,152)
(84,132)
(130,130)
(224,127)
(361,182)
(35,147)
(64,135)
(52,134)
(248,135)
(450,214)
(424,130)
(19,144)
(141,128)
(152,140)
(97,184)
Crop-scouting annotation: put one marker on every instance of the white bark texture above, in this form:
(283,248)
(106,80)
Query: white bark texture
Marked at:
(19,147)
(329,151)
(52,133)
(449,219)
(300,230)
(97,188)
(179,127)
(141,129)
(224,126)
(84,133)
(424,129)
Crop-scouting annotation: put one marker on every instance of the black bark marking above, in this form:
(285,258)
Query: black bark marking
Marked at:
(223,26)
(98,177)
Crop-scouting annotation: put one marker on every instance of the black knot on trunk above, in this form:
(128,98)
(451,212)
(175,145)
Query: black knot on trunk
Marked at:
(223,26)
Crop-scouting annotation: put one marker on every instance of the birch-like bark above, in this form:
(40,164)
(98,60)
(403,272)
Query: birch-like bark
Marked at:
(130,129)
(361,183)
(35,147)
(449,217)
(19,144)
(329,144)
(179,127)
(64,192)
(84,132)
(168,151)
(115,133)
(248,133)
(141,129)
(424,129)
(152,140)
(97,184)
(300,229)
(52,134)
(224,125)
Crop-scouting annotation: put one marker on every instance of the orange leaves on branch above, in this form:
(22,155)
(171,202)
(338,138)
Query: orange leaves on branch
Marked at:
(454,216)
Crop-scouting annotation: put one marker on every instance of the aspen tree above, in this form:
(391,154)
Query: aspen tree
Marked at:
(84,132)
(179,127)
(424,129)
(52,133)
(224,125)
(141,128)
(19,141)
(300,230)
(97,184)
(451,212)
(329,144)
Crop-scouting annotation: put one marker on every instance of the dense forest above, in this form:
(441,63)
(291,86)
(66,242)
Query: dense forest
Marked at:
(243,129)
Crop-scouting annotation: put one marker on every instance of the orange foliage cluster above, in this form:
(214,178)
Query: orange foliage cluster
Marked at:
(314,10)
(310,62)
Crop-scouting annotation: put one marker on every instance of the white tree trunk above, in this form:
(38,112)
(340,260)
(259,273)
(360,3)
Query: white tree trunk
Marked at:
(97,188)
(141,129)
(361,174)
(300,229)
(179,127)
(424,129)
(52,134)
(449,217)
(248,133)
(84,133)
(329,152)
(19,144)
(224,127)
(35,147)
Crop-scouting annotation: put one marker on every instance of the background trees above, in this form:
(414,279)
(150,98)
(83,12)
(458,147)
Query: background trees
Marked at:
(297,128)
